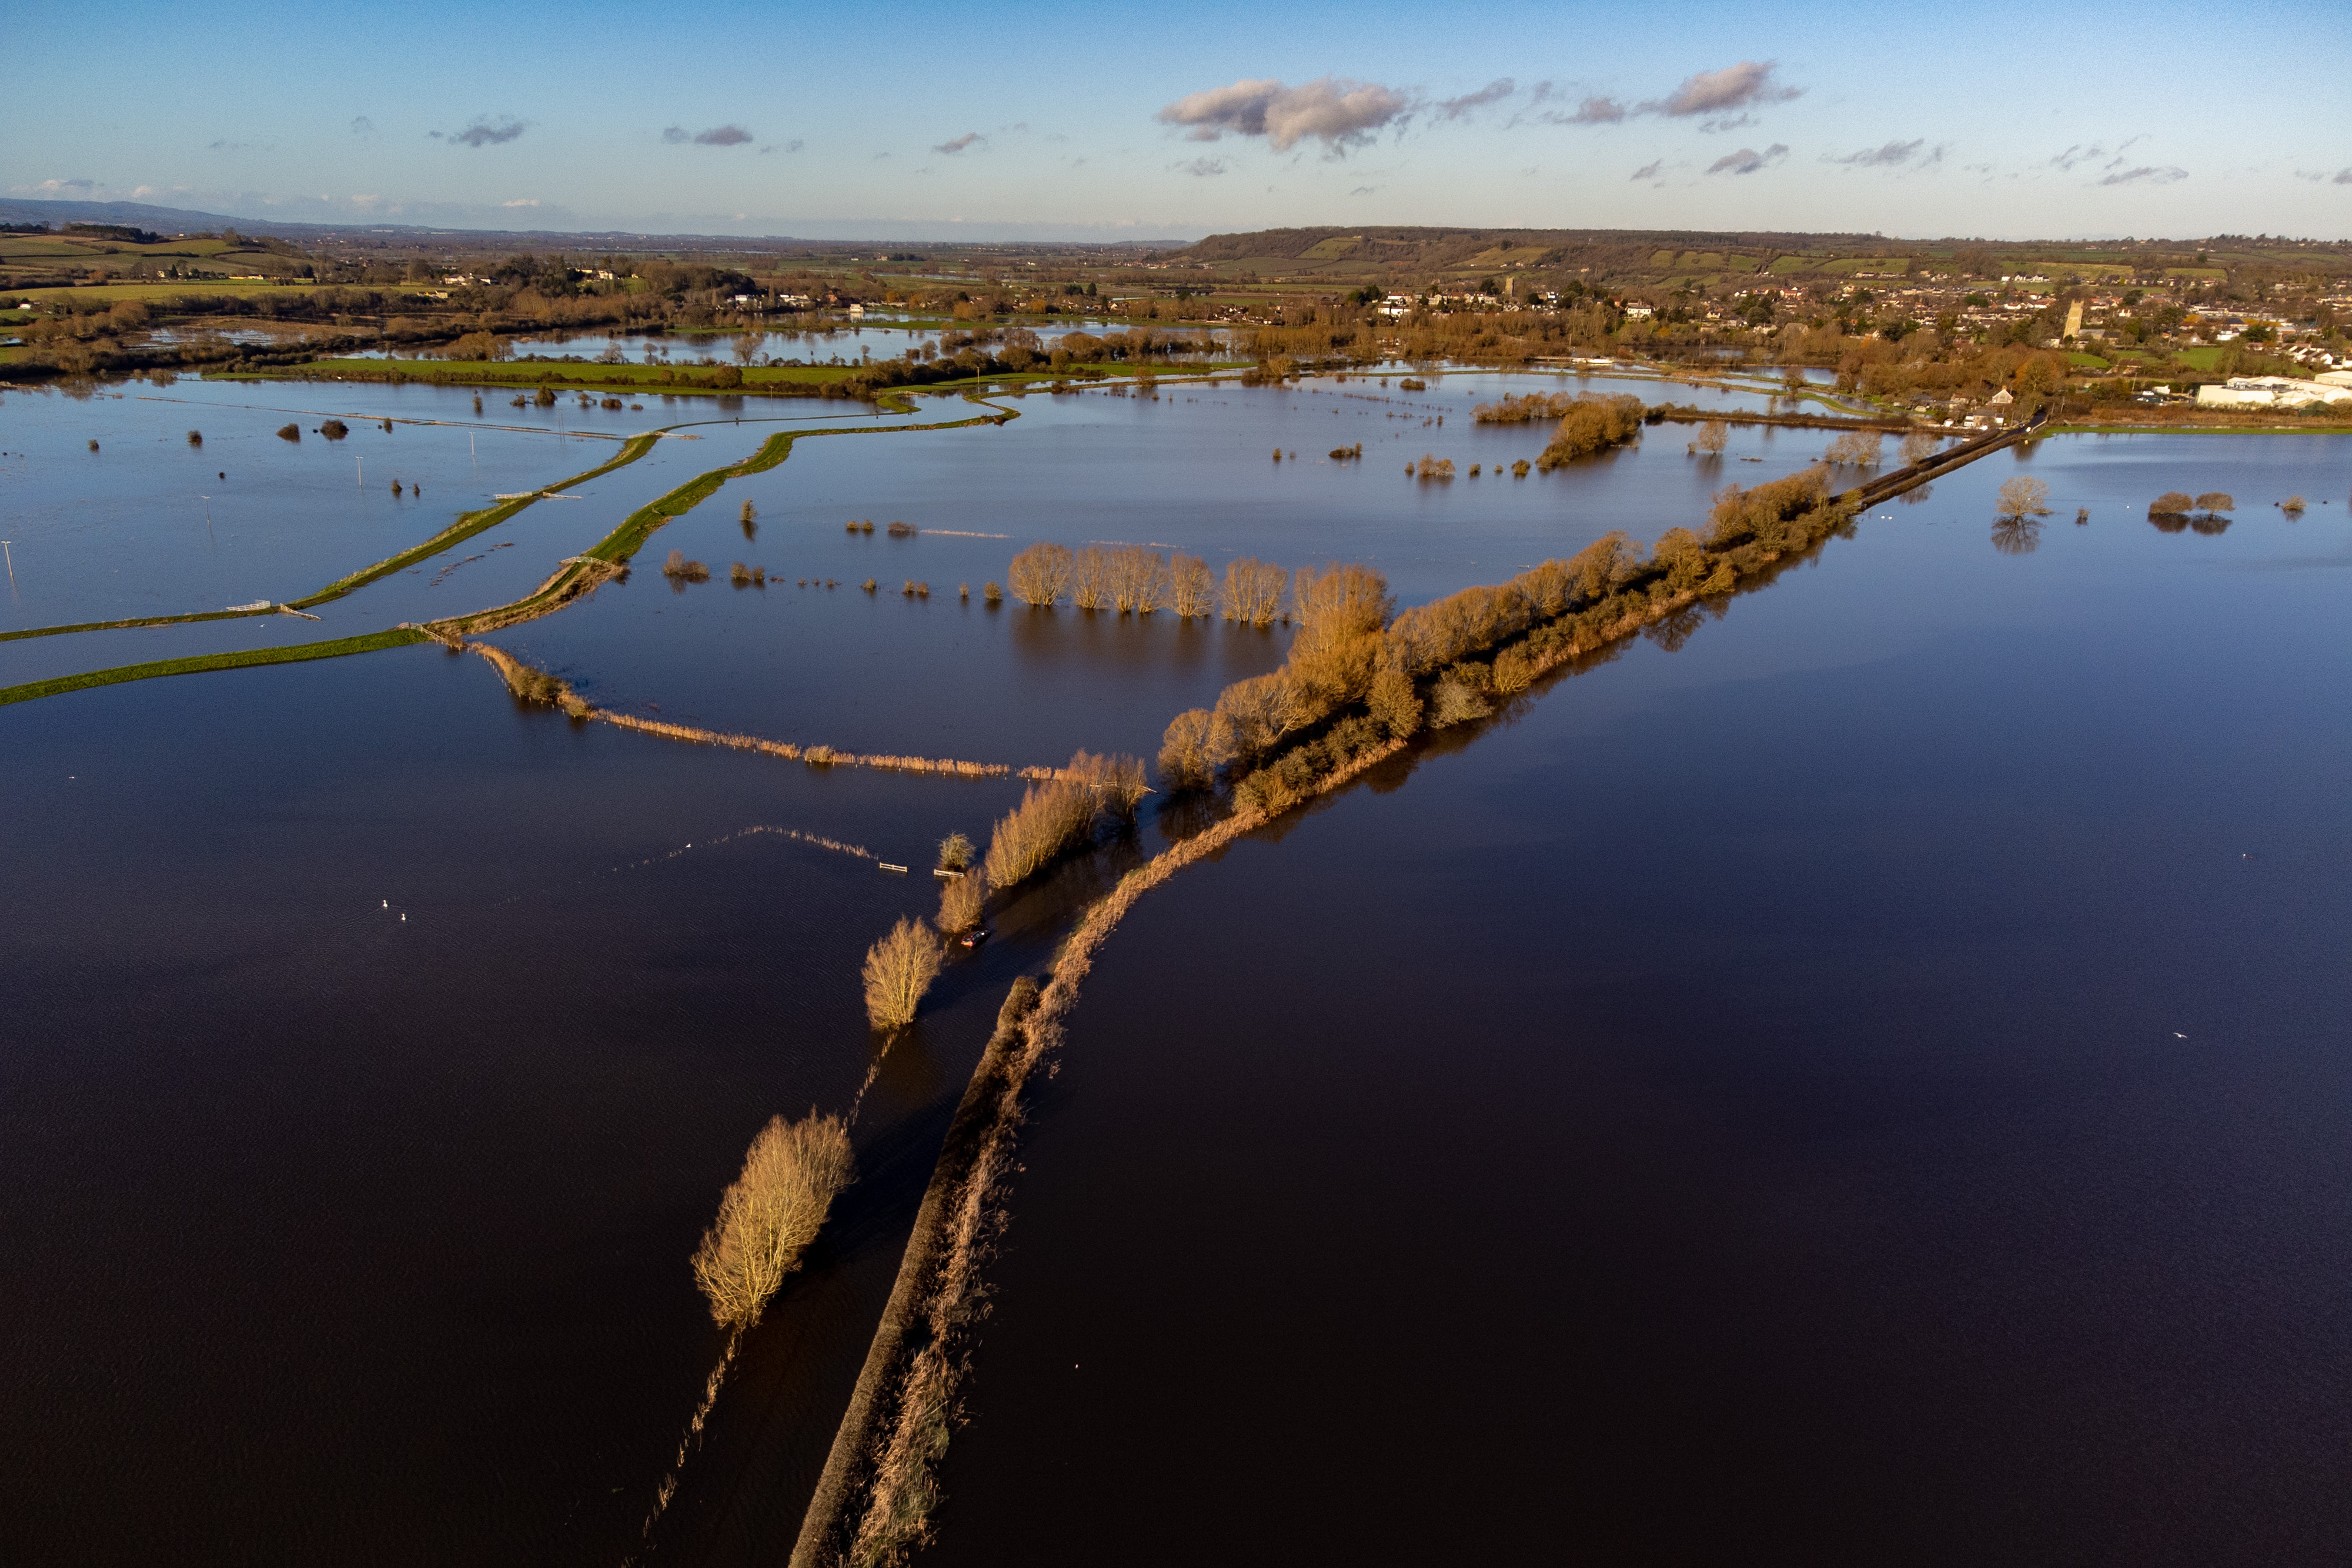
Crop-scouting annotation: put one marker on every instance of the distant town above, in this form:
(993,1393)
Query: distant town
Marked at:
(2221,327)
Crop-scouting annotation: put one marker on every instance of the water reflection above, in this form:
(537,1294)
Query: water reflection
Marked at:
(1675,630)
(2017,535)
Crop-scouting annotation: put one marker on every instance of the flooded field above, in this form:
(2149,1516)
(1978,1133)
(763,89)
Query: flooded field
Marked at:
(1915,994)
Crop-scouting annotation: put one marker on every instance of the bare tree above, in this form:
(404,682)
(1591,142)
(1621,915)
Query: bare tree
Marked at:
(2023,498)
(1138,579)
(1190,591)
(1855,449)
(898,969)
(1712,437)
(1040,575)
(1184,762)
(961,900)
(1090,574)
(1254,590)
(770,1214)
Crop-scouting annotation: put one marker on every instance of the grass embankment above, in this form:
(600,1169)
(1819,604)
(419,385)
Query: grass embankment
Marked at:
(534,685)
(397,637)
(822,755)
(467,524)
(142,620)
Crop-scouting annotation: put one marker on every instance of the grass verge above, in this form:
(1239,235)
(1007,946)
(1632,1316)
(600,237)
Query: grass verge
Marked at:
(399,637)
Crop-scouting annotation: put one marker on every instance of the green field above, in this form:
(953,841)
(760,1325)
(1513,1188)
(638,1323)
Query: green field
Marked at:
(164,289)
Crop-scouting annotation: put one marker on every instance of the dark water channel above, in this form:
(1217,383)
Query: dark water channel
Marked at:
(1735,1109)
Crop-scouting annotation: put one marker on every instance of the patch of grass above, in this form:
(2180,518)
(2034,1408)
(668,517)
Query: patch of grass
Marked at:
(174,288)
(197,664)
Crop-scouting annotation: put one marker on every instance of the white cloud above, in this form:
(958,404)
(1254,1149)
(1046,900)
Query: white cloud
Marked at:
(1338,112)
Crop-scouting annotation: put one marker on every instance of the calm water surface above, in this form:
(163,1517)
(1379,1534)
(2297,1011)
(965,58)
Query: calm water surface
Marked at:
(1743,1097)
(1865,1087)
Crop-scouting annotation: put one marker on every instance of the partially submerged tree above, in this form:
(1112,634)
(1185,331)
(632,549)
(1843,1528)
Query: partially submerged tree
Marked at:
(2023,498)
(961,899)
(1051,818)
(898,969)
(770,1214)
(1190,590)
(1040,575)
(1854,449)
(1254,590)
(1184,760)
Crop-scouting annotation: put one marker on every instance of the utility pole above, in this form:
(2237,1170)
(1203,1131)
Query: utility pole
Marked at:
(12,562)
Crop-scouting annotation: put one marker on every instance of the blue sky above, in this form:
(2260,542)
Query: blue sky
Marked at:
(1076,121)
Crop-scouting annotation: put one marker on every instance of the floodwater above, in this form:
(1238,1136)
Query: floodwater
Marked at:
(1857,1086)
(842,340)
(1865,1087)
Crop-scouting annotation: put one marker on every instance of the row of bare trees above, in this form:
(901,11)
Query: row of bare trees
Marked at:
(1133,579)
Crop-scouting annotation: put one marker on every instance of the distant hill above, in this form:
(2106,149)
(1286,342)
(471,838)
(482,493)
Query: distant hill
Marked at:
(138,214)
(399,237)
